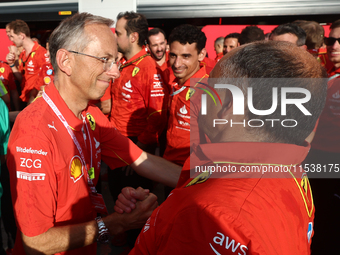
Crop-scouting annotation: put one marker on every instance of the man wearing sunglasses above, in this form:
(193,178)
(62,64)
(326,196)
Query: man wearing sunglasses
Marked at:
(325,152)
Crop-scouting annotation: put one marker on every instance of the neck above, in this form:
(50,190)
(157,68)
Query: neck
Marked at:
(71,97)
(28,45)
(183,80)
(161,62)
(132,52)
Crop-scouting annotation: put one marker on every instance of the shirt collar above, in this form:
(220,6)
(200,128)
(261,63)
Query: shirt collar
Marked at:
(250,152)
(201,73)
(71,119)
(138,55)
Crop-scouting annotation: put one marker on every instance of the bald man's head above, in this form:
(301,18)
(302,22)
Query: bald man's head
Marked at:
(264,67)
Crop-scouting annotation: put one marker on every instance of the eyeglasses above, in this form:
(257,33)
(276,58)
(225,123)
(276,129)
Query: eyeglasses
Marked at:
(107,64)
(329,41)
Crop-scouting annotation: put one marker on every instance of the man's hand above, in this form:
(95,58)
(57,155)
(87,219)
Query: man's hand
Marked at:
(136,218)
(128,198)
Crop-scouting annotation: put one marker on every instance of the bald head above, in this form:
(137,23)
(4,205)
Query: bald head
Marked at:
(265,67)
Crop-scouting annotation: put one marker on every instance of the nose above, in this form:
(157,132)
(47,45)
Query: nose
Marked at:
(178,62)
(114,72)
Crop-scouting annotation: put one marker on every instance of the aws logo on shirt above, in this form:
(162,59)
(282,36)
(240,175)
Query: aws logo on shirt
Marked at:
(226,242)
(76,168)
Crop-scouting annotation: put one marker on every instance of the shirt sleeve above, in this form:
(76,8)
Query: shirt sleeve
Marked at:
(156,104)
(33,183)
(117,150)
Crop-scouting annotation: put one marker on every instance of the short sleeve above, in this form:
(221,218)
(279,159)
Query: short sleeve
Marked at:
(33,183)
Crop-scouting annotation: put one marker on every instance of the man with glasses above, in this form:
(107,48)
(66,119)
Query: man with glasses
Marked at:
(325,152)
(58,142)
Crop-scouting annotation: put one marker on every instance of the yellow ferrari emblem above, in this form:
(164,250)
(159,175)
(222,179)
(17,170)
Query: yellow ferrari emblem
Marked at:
(135,71)
(2,69)
(91,121)
(189,94)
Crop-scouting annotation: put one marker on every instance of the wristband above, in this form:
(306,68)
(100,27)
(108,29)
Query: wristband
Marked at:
(103,235)
(12,66)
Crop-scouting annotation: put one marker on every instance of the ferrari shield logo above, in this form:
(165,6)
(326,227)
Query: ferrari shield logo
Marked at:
(91,121)
(189,94)
(135,71)
(2,69)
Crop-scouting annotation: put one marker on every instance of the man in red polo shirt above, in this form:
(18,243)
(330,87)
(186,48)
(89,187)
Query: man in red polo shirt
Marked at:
(218,46)
(325,153)
(138,108)
(157,46)
(7,78)
(187,50)
(31,59)
(57,144)
(248,193)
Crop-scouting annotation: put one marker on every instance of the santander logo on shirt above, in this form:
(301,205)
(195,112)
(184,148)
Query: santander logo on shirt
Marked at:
(183,110)
(227,243)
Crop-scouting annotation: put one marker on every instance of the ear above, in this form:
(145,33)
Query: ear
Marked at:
(227,107)
(303,47)
(23,36)
(134,37)
(148,48)
(64,61)
(202,54)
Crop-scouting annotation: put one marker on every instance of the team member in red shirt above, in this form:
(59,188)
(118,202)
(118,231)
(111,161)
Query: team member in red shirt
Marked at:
(58,142)
(230,42)
(138,108)
(325,154)
(46,72)
(157,46)
(245,211)
(218,46)
(7,78)
(187,50)
(31,59)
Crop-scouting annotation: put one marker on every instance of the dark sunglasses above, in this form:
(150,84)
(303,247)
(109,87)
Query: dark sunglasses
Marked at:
(329,41)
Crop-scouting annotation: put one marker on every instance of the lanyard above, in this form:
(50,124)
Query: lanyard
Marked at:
(133,61)
(183,87)
(74,138)
(333,76)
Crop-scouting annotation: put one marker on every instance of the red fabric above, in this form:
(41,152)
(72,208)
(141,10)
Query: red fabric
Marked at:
(166,64)
(226,215)
(182,124)
(209,64)
(30,67)
(45,76)
(327,137)
(7,77)
(218,57)
(61,195)
(138,101)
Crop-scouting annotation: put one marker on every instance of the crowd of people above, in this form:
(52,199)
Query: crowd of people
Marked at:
(134,100)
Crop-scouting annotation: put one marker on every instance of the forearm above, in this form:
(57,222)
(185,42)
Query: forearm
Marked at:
(63,238)
(58,239)
(157,169)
